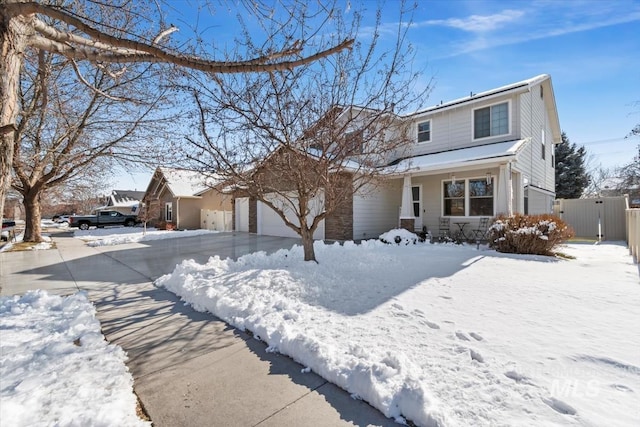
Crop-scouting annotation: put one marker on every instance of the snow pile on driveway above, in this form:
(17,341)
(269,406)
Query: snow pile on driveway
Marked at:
(121,235)
(56,367)
(441,334)
(42,246)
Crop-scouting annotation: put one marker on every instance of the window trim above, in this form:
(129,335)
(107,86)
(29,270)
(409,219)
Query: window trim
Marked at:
(467,197)
(418,131)
(168,211)
(473,120)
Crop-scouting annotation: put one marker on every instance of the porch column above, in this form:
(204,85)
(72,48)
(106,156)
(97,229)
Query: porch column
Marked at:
(503,194)
(504,197)
(407,220)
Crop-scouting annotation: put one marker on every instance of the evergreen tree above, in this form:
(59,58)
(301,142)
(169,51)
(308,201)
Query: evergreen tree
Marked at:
(571,174)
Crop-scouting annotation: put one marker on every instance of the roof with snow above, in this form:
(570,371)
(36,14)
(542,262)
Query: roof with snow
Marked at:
(184,183)
(461,157)
(125,197)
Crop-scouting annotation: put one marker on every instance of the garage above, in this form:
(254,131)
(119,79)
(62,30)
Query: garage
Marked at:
(270,223)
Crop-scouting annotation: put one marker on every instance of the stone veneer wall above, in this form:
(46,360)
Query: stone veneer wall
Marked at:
(253,215)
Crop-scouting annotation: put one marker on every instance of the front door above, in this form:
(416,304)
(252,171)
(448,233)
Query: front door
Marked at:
(416,199)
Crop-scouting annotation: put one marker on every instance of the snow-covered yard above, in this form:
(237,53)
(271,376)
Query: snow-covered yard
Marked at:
(119,235)
(445,335)
(56,369)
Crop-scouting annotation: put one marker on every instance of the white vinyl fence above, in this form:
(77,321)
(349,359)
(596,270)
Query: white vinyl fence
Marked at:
(633,233)
(600,218)
(215,220)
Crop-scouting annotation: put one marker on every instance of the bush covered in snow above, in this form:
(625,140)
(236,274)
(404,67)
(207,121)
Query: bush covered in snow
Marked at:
(528,234)
(400,236)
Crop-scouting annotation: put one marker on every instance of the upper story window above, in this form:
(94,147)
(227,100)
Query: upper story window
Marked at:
(491,121)
(354,142)
(424,131)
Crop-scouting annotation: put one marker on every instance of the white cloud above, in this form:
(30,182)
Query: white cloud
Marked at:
(478,23)
(537,31)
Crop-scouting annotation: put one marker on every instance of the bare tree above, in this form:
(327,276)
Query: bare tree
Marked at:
(70,135)
(303,141)
(85,31)
(150,210)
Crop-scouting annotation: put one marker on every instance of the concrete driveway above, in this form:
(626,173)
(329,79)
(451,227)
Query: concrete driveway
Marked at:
(190,368)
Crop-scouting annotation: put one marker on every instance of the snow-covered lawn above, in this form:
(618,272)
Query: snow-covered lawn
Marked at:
(56,369)
(445,335)
(119,235)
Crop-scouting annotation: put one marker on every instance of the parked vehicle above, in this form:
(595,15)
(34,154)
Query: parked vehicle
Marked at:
(7,229)
(102,219)
(62,219)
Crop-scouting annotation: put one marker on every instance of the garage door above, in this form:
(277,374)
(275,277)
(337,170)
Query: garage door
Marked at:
(270,223)
(242,214)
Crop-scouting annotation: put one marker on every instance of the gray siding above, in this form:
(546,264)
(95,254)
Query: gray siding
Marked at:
(535,120)
(453,128)
(377,211)
(432,201)
(539,203)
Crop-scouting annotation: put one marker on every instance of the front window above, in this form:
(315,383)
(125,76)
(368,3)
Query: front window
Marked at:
(481,197)
(454,198)
(168,212)
(424,131)
(468,197)
(491,121)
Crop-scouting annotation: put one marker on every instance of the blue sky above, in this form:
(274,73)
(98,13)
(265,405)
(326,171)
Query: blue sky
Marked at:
(590,48)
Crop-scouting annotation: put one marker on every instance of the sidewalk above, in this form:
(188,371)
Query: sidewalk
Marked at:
(190,368)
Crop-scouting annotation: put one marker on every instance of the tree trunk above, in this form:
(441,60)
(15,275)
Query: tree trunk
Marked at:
(33,228)
(12,43)
(307,244)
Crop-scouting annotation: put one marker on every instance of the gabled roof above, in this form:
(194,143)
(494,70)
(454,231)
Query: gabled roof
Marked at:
(182,182)
(461,157)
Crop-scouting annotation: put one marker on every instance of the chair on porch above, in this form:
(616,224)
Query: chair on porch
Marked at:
(480,233)
(443,227)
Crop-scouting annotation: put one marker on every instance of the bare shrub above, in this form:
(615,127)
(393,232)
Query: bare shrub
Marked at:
(528,234)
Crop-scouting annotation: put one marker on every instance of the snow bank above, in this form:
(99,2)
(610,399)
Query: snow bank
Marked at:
(56,367)
(443,334)
(122,235)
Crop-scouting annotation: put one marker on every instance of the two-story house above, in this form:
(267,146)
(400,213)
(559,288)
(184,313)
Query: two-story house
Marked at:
(487,154)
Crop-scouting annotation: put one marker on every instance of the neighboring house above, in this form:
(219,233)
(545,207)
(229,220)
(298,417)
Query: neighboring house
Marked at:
(487,154)
(616,186)
(126,202)
(186,200)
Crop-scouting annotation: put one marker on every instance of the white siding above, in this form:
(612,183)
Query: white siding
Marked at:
(377,211)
